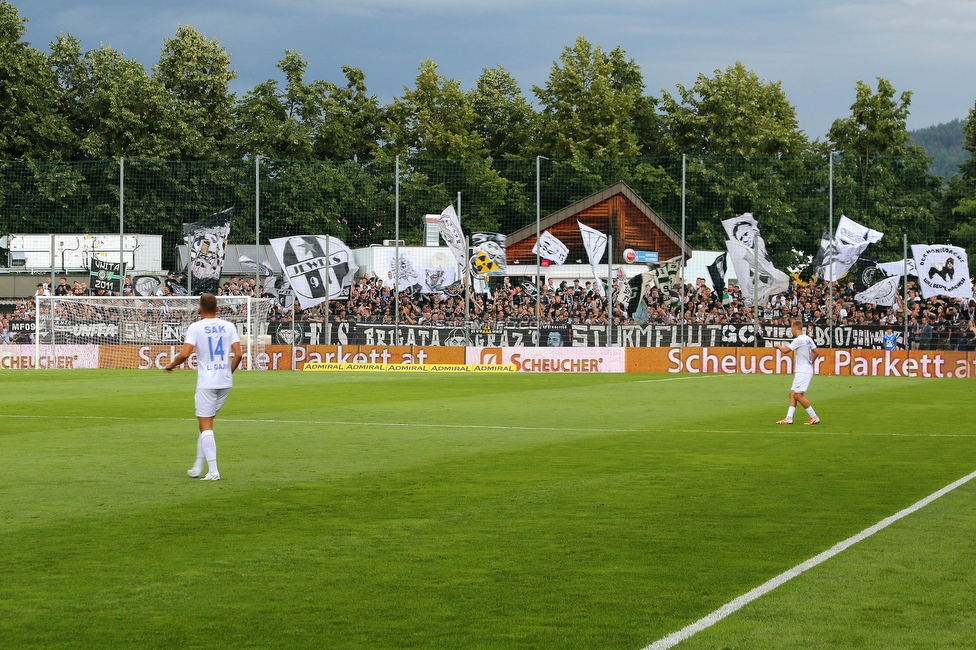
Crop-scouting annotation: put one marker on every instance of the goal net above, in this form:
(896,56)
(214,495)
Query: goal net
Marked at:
(136,332)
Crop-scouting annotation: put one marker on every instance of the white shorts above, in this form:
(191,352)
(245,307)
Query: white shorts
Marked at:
(209,400)
(801,382)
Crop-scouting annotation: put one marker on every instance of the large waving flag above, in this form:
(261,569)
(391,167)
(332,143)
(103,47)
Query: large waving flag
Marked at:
(550,248)
(884,293)
(595,243)
(838,254)
(897,268)
(314,275)
(757,283)
(942,271)
(450,226)
(745,230)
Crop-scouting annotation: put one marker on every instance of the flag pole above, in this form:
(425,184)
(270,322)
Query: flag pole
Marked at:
(755,288)
(328,269)
(467,295)
(904,306)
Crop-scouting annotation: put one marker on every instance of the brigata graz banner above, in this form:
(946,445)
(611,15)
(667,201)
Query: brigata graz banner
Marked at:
(564,335)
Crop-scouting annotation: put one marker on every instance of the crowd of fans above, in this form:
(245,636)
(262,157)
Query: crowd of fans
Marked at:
(933,323)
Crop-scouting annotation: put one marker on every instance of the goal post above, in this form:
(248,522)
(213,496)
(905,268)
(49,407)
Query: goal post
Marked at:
(136,332)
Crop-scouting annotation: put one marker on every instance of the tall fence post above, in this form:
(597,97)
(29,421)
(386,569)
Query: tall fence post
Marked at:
(538,257)
(609,290)
(396,244)
(755,292)
(257,227)
(681,296)
(121,224)
(830,260)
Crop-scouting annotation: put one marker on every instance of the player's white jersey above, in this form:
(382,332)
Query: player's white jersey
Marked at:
(213,338)
(803,347)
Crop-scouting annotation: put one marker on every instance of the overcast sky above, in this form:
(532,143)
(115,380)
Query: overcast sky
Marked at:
(818,49)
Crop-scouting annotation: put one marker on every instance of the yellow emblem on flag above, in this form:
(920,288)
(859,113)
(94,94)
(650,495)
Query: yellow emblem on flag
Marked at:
(483,264)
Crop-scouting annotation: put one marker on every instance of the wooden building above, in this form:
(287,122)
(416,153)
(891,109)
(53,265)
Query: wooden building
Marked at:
(616,211)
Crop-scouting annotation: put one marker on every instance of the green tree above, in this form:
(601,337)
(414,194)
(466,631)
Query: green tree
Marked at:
(590,104)
(733,113)
(961,195)
(434,120)
(281,123)
(113,106)
(30,125)
(505,119)
(194,70)
(351,122)
(880,179)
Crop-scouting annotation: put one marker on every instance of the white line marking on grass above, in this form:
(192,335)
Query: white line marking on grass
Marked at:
(738,603)
(813,432)
(425,425)
(652,381)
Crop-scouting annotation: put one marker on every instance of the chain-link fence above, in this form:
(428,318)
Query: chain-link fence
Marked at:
(57,217)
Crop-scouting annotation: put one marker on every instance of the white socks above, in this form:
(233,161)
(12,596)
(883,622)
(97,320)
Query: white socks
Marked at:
(207,448)
(789,412)
(810,410)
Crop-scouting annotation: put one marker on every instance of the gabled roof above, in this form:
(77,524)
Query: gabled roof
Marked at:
(615,210)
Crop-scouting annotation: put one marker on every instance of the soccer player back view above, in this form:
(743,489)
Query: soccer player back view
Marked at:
(218,348)
(804,353)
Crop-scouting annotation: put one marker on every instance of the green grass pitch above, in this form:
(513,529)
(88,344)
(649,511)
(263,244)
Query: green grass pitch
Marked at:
(470,511)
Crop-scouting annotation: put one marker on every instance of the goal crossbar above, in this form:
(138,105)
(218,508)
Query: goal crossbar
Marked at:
(135,331)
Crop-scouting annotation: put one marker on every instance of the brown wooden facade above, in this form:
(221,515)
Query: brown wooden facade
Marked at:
(616,211)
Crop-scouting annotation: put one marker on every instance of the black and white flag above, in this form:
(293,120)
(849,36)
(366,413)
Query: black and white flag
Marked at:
(453,236)
(865,273)
(550,248)
(898,268)
(717,271)
(838,254)
(207,242)
(315,276)
(106,276)
(757,284)
(488,254)
(745,230)
(942,271)
(595,243)
(884,293)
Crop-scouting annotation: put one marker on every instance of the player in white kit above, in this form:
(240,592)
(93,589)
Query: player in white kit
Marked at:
(218,348)
(804,353)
